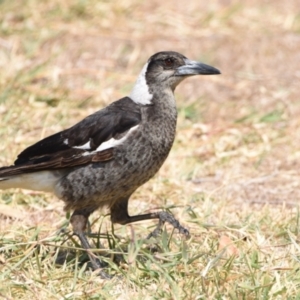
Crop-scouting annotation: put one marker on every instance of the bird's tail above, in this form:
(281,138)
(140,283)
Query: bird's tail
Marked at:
(10,177)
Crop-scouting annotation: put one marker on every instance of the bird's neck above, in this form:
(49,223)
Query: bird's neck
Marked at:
(164,99)
(163,108)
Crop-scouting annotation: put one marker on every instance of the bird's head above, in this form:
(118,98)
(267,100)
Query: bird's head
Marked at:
(170,68)
(165,70)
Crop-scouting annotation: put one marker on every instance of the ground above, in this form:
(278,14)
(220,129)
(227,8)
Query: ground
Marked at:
(233,174)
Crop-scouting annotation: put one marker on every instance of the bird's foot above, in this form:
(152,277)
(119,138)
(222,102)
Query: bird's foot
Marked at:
(97,264)
(167,217)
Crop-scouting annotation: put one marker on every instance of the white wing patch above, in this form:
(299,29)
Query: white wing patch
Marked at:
(111,143)
(140,93)
(86,146)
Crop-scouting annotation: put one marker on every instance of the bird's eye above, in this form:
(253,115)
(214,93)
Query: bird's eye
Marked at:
(169,62)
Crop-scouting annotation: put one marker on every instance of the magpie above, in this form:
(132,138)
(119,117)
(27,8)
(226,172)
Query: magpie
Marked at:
(104,158)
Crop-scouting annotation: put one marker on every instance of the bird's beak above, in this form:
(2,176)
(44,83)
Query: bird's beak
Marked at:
(195,68)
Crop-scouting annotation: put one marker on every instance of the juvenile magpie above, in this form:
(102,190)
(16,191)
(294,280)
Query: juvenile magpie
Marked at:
(104,158)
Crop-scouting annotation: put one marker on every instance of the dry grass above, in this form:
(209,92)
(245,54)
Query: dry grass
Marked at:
(232,176)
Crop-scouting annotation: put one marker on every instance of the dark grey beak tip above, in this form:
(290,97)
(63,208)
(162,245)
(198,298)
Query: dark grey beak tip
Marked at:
(196,68)
(208,70)
(215,72)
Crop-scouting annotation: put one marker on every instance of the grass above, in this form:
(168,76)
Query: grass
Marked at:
(232,177)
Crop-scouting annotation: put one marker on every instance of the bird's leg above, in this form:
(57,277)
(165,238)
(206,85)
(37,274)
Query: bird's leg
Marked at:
(119,214)
(79,220)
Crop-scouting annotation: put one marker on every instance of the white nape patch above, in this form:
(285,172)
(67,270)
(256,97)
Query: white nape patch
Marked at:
(66,141)
(140,93)
(86,146)
(43,181)
(112,142)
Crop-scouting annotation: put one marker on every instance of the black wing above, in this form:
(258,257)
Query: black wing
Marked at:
(63,148)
